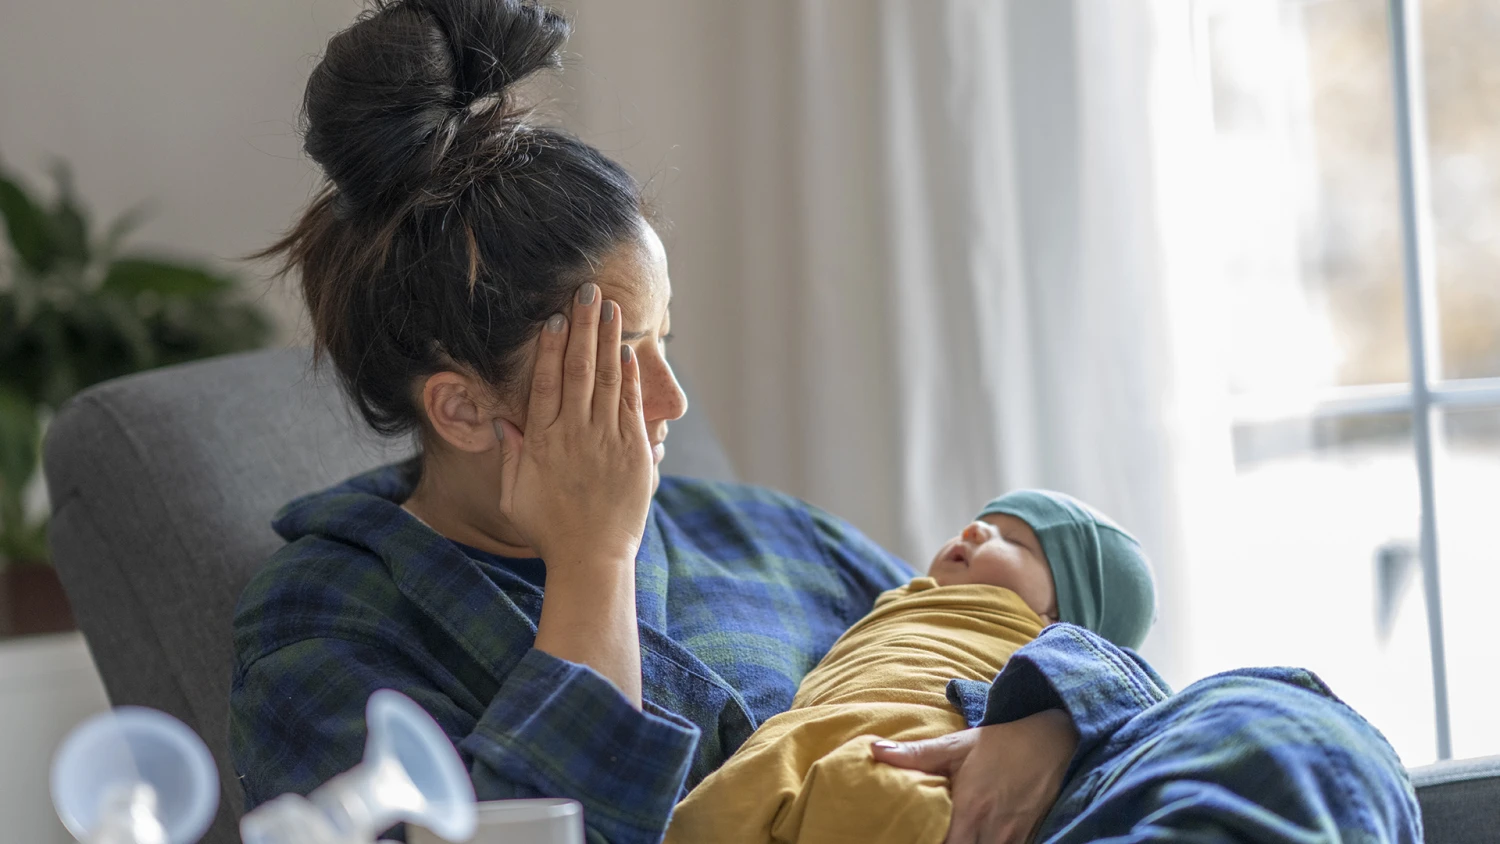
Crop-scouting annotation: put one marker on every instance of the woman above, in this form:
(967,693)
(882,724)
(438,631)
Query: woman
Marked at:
(579,626)
(493,285)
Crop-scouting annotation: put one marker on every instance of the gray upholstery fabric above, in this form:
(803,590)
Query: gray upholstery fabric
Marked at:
(1460,800)
(163,486)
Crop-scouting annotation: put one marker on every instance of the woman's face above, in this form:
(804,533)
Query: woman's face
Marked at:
(634,276)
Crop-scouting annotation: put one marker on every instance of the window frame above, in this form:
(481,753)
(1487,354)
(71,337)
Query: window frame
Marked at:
(1427,394)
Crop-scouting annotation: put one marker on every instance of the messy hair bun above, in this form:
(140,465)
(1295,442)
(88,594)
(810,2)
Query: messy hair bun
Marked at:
(393,91)
(452,224)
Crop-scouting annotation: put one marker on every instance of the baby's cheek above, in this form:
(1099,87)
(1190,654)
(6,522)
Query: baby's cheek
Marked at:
(987,569)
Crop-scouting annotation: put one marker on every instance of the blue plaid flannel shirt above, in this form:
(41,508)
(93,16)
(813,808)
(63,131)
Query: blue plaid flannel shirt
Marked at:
(739,590)
(1267,755)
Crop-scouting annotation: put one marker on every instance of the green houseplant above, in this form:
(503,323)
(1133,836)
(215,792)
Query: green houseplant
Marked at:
(77,309)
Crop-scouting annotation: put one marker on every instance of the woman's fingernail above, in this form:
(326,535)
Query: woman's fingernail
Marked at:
(624,353)
(556,322)
(587,293)
(609,311)
(885,745)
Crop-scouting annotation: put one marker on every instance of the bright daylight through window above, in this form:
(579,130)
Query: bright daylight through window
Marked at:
(1325,569)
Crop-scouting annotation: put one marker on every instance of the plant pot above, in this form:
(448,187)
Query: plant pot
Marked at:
(32,601)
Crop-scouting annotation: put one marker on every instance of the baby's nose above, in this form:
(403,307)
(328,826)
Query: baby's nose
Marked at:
(975,533)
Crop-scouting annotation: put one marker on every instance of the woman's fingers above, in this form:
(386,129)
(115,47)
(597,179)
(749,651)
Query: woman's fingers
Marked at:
(631,419)
(941,755)
(607,367)
(547,375)
(579,360)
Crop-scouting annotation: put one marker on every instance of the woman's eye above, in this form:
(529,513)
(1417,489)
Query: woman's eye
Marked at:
(666,338)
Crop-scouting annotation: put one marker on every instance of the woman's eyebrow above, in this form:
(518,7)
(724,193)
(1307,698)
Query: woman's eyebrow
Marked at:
(636,335)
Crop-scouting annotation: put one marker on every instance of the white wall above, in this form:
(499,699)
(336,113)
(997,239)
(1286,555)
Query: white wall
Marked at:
(189,105)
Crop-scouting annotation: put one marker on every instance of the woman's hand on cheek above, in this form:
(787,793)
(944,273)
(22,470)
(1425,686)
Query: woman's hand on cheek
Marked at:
(577,486)
(1005,777)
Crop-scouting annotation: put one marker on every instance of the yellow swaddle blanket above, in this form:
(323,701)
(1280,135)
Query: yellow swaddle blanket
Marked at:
(807,775)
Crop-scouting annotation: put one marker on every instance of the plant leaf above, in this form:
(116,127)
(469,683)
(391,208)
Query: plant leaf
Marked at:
(22,367)
(133,276)
(25,544)
(125,323)
(203,328)
(70,228)
(58,369)
(10,324)
(27,226)
(121,228)
(20,433)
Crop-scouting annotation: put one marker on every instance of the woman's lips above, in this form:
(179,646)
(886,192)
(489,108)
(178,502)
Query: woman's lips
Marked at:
(658,451)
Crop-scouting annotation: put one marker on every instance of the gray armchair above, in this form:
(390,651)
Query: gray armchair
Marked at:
(163,486)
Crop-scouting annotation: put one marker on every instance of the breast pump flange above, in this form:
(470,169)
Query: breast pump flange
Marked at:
(138,776)
(410,774)
(134,776)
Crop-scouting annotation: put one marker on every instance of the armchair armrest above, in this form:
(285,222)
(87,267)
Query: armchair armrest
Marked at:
(1460,800)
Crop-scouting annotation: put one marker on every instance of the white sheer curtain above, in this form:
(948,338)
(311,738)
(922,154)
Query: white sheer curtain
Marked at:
(915,247)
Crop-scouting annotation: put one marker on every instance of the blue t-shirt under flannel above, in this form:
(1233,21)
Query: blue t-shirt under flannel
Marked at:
(739,590)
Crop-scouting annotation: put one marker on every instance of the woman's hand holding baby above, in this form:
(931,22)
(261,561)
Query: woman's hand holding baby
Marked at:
(577,487)
(1005,777)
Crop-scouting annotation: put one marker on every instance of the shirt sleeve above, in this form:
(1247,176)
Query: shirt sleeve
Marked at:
(554,729)
(1100,685)
(564,730)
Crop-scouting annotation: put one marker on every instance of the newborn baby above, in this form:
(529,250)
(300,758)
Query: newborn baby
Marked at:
(1031,558)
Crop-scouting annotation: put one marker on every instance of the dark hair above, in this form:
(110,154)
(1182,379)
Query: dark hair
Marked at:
(452,225)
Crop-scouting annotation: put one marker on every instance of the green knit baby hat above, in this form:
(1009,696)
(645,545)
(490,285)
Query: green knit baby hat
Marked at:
(1102,576)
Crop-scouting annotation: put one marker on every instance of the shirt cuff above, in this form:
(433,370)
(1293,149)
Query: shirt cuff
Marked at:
(566,731)
(970,698)
(1100,685)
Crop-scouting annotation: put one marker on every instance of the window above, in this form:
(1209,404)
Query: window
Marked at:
(1345,257)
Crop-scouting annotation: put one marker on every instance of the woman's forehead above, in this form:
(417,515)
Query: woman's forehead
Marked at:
(635,276)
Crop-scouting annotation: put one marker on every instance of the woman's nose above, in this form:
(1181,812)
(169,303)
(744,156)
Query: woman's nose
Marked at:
(662,398)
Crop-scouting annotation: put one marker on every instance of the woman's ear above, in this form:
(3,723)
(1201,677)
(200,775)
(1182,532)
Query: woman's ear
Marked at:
(455,407)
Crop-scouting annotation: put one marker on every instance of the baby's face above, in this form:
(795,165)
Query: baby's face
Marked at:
(999,550)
